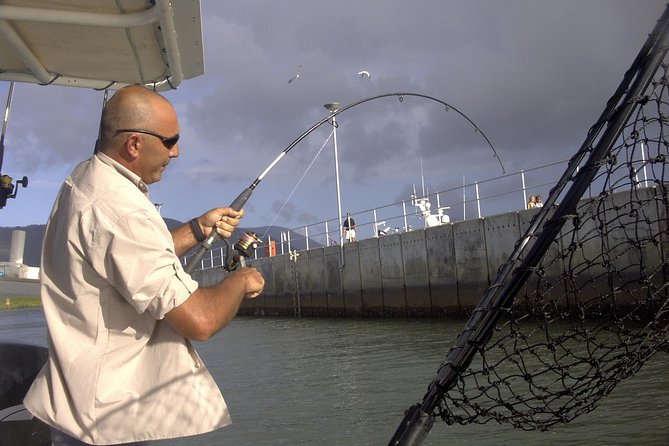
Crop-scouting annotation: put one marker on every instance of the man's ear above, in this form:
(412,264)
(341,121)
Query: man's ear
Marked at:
(132,147)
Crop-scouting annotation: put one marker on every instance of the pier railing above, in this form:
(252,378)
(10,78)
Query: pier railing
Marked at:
(477,199)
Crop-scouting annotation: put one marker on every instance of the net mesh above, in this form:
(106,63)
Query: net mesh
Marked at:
(594,309)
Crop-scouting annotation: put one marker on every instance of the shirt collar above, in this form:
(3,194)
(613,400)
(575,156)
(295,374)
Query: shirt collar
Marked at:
(136,180)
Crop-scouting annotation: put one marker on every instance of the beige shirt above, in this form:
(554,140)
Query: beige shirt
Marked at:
(116,371)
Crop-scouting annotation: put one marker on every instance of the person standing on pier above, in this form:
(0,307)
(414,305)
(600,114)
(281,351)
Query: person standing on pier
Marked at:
(349,228)
(540,202)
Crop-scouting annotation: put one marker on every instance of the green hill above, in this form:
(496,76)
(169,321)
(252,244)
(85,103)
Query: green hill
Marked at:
(35,236)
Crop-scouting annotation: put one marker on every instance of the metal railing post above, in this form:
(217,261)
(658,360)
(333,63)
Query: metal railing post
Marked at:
(643,160)
(404,211)
(464,198)
(327,235)
(522,177)
(478,198)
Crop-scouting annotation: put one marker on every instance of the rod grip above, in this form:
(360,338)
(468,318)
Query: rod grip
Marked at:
(241,199)
(208,243)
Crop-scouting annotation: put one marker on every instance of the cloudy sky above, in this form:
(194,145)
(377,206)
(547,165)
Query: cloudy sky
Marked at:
(532,75)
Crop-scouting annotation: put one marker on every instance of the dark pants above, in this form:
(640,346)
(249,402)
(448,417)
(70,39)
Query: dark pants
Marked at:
(59,438)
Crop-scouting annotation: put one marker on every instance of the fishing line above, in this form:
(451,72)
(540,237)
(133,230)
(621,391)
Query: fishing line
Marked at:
(243,197)
(297,185)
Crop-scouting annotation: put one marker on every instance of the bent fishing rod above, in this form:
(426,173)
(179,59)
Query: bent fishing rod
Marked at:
(238,252)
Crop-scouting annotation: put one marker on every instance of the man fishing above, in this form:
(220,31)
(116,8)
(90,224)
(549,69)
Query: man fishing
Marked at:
(120,310)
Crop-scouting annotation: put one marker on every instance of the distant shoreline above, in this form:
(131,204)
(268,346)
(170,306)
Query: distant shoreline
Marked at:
(20,302)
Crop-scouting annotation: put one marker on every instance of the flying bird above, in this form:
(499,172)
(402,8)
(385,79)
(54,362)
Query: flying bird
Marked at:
(364,73)
(297,76)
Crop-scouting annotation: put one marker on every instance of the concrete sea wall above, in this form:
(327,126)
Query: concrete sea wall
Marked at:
(437,271)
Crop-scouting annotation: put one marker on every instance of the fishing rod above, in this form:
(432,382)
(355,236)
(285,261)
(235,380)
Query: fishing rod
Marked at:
(10,93)
(240,249)
(7,187)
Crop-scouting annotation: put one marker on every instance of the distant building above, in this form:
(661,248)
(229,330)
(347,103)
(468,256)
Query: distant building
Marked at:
(15,268)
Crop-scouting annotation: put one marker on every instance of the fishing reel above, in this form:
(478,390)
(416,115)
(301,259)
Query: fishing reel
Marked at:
(8,189)
(244,247)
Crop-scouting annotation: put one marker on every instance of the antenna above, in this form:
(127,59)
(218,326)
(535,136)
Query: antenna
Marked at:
(422,178)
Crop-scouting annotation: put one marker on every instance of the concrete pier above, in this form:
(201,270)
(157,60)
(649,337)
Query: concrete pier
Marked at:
(438,271)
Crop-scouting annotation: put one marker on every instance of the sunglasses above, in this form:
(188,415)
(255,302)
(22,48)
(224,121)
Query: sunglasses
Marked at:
(167,142)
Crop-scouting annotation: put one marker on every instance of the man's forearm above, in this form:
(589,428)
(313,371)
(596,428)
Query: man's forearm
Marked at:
(209,309)
(184,239)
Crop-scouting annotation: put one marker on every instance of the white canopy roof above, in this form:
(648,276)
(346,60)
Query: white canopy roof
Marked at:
(101,43)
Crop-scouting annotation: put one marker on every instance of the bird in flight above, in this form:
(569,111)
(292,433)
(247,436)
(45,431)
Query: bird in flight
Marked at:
(364,73)
(297,76)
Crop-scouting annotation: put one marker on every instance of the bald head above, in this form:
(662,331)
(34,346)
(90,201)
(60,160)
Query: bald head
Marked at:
(136,129)
(132,107)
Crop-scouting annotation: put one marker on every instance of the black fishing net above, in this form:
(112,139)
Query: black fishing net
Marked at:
(593,308)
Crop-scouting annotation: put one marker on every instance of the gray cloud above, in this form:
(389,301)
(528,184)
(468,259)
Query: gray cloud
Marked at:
(533,75)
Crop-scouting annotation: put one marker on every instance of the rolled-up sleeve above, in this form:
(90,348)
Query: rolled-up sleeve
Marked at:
(135,254)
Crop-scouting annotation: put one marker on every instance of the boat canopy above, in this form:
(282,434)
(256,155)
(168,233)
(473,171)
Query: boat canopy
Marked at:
(101,44)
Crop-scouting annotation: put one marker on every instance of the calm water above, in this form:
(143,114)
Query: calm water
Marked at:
(348,382)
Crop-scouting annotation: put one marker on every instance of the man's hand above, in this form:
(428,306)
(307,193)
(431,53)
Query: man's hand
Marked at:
(186,236)
(209,309)
(253,281)
(225,220)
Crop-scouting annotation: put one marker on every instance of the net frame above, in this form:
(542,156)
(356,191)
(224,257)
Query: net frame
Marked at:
(581,304)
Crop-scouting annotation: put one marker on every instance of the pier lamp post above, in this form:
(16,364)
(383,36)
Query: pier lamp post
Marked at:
(333,107)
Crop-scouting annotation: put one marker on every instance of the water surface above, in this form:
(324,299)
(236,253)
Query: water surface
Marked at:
(348,382)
